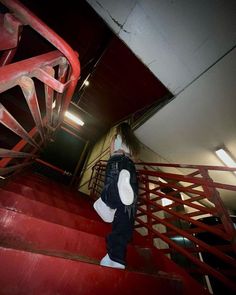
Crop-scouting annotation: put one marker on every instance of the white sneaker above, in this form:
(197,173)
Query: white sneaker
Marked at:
(106,213)
(106,261)
(125,190)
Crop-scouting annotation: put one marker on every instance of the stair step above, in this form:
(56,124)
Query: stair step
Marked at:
(31,207)
(76,207)
(46,184)
(32,234)
(42,274)
(32,220)
(21,204)
(44,181)
(50,196)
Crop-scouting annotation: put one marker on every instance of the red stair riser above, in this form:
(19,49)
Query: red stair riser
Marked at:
(48,187)
(51,200)
(50,196)
(52,214)
(19,231)
(41,274)
(23,232)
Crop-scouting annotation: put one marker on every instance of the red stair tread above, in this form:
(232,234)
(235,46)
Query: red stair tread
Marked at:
(42,274)
(49,213)
(31,194)
(19,231)
(49,194)
(44,184)
(57,231)
(43,211)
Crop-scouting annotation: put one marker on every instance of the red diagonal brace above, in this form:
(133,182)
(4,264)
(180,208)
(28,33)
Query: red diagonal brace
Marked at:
(7,120)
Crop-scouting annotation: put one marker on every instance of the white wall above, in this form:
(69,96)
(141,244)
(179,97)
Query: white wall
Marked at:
(197,121)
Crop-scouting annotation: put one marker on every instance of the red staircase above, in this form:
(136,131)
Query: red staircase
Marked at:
(52,242)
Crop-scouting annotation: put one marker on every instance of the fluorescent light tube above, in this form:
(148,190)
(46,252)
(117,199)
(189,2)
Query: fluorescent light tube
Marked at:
(225,158)
(74,118)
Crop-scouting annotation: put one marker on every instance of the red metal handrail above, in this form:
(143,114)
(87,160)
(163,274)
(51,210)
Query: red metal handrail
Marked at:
(42,68)
(197,194)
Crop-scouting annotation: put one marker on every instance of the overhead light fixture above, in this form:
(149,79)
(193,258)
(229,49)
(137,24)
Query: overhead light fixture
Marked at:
(74,118)
(226,158)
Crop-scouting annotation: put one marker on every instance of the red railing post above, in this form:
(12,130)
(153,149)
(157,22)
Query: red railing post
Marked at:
(149,211)
(39,67)
(199,189)
(223,213)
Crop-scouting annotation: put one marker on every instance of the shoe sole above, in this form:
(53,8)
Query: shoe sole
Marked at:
(106,261)
(126,192)
(109,214)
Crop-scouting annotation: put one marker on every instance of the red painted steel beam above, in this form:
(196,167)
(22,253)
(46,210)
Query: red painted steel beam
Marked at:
(10,31)
(18,147)
(196,180)
(10,74)
(62,71)
(179,189)
(49,98)
(198,167)
(8,120)
(46,78)
(7,57)
(6,170)
(28,88)
(50,165)
(13,154)
(27,17)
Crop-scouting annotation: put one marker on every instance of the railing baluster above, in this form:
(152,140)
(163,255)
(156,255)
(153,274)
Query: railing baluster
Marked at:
(13,154)
(49,94)
(187,184)
(222,212)
(8,120)
(28,88)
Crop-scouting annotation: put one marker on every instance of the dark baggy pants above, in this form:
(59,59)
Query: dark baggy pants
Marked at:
(123,224)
